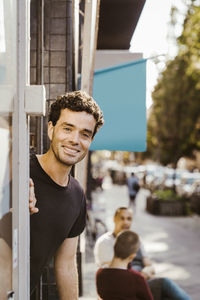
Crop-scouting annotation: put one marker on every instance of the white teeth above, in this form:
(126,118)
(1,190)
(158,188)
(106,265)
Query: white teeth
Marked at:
(70,150)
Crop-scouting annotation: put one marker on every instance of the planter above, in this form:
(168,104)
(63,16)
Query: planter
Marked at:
(195,203)
(162,207)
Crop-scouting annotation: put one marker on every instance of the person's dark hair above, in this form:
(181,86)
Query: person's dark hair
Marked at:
(127,243)
(118,211)
(76,101)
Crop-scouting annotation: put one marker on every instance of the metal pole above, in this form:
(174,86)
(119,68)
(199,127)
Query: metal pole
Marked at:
(39,69)
(20,159)
(91,13)
(69,46)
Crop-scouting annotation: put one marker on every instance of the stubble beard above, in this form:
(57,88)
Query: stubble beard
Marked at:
(65,162)
(59,158)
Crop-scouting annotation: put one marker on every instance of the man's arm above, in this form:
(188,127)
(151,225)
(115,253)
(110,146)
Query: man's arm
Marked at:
(147,261)
(66,269)
(148,271)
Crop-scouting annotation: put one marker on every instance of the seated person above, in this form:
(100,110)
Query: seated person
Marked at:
(161,288)
(103,250)
(118,282)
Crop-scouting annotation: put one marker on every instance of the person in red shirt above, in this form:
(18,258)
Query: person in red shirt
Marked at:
(117,282)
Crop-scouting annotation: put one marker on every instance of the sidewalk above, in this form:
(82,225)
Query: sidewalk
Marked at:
(173,243)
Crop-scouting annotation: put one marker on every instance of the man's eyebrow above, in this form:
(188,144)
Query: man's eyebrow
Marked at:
(67,124)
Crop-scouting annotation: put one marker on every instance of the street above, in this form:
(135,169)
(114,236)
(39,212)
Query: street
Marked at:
(172,243)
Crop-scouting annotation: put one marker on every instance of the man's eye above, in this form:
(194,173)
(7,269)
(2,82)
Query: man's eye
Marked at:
(86,135)
(67,129)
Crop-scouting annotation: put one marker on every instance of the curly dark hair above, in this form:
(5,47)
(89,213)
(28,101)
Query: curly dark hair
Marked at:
(76,101)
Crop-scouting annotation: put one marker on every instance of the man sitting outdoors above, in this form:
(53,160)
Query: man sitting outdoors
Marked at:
(103,250)
(118,282)
(161,288)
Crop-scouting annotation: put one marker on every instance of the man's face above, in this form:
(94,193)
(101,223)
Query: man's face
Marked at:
(123,220)
(71,136)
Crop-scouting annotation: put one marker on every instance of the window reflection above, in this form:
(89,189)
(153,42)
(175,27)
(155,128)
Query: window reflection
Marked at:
(5,208)
(7,42)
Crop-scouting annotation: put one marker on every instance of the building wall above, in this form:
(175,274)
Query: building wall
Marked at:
(57,51)
(51,57)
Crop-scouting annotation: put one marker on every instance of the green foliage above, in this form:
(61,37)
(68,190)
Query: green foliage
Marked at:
(166,195)
(174,122)
(189,43)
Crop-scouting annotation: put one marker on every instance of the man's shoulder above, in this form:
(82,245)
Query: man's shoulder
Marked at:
(32,157)
(34,164)
(105,238)
(75,184)
(136,274)
(132,179)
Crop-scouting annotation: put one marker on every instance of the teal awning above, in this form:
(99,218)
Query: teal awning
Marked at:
(121,93)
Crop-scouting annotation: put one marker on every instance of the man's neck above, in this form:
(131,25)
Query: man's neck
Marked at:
(115,233)
(58,172)
(119,263)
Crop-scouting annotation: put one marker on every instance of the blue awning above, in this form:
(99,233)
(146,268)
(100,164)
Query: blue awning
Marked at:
(121,93)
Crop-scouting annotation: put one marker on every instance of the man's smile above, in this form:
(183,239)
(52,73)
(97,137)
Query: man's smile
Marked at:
(125,227)
(70,150)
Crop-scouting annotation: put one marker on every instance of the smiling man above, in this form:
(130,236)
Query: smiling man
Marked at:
(60,215)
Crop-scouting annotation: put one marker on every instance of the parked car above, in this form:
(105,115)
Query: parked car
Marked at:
(195,198)
(189,183)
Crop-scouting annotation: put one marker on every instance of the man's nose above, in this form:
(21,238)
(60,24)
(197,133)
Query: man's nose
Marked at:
(74,137)
(127,222)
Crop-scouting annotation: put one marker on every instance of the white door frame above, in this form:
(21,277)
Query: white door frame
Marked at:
(20,159)
(29,100)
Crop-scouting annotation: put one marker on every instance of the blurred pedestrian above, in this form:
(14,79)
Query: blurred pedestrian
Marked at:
(133,187)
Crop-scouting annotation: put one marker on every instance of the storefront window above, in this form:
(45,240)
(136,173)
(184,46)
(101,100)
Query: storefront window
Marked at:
(5,208)
(7,81)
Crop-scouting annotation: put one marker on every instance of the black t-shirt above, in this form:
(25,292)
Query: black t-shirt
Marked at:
(62,214)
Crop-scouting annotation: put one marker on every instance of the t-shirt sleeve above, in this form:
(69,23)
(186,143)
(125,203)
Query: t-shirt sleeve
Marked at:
(103,252)
(80,222)
(143,291)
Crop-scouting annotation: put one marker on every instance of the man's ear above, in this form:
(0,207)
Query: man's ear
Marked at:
(132,256)
(50,130)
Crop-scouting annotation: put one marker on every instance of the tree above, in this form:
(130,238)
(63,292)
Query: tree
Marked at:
(189,43)
(172,126)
